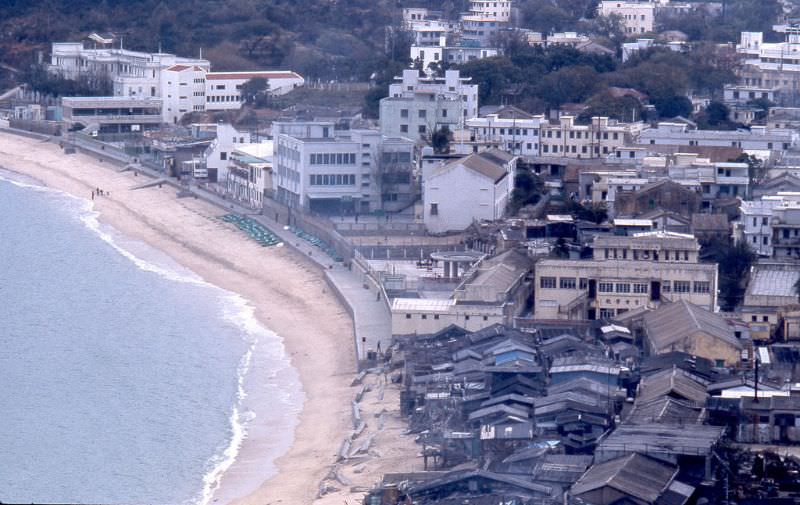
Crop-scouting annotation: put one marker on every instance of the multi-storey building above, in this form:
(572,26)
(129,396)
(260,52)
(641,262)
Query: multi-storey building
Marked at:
(428,55)
(224,89)
(786,229)
(418,106)
(184,85)
(485,19)
(510,129)
(596,140)
(112,114)
(249,175)
(329,171)
(772,65)
(757,138)
(625,273)
(637,17)
(755,226)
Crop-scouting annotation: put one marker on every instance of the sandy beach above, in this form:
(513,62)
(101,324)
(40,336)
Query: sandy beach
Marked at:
(287,291)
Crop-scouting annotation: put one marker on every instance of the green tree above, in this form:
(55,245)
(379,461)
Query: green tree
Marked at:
(440,140)
(734,262)
(255,92)
(673,106)
(528,189)
(594,212)
(493,77)
(568,84)
(717,113)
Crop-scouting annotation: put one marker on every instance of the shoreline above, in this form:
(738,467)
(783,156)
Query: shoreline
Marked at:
(288,295)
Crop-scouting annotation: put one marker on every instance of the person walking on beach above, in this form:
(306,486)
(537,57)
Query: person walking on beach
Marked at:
(92,195)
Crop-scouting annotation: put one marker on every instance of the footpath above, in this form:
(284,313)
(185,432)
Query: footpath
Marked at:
(356,290)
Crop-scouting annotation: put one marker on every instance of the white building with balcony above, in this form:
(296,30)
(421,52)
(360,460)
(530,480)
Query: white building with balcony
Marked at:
(417,106)
(485,19)
(637,17)
(249,175)
(625,274)
(112,114)
(329,171)
(184,85)
(510,129)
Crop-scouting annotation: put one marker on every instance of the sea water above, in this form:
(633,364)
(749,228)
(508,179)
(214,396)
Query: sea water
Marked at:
(123,378)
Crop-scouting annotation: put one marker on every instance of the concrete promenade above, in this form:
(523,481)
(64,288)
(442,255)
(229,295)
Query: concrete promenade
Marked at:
(358,293)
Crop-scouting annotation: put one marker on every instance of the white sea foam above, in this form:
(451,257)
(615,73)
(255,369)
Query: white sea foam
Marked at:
(236,309)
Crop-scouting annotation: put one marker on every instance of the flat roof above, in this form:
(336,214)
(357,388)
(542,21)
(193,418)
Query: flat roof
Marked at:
(422,304)
(266,74)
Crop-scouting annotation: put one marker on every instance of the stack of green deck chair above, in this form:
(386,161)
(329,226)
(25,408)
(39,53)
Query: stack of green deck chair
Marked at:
(318,242)
(256,231)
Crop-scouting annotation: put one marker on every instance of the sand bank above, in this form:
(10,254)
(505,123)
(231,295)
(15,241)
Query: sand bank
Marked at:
(287,291)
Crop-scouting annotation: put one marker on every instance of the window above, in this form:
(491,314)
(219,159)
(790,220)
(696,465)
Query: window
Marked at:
(422,128)
(403,112)
(436,316)
(606,287)
(720,363)
(423,114)
(701,286)
(765,319)
(485,318)
(424,316)
(682,286)
(223,155)
(408,316)
(623,287)
(606,313)
(583,283)
(547,282)
(640,288)
(404,128)
(434,209)
(567,282)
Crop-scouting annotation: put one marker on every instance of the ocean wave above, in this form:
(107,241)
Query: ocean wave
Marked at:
(222,462)
(235,309)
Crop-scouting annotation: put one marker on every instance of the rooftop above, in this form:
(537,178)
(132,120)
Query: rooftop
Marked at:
(773,280)
(672,322)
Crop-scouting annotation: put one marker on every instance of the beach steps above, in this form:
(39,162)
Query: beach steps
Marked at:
(150,184)
(255,230)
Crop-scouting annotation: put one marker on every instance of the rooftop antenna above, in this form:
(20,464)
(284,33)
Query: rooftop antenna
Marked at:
(159,47)
(201,53)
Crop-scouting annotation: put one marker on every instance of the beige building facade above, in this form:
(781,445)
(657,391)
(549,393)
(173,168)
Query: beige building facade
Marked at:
(625,274)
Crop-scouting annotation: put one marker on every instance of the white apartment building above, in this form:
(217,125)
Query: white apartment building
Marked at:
(249,175)
(596,140)
(429,55)
(485,18)
(184,85)
(755,224)
(352,171)
(786,229)
(715,180)
(183,89)
(758,138)
(772,65)
(217,156)
(511,130)
(474,188)
(625,274)
(638,17)
(223,89)
(417,106)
